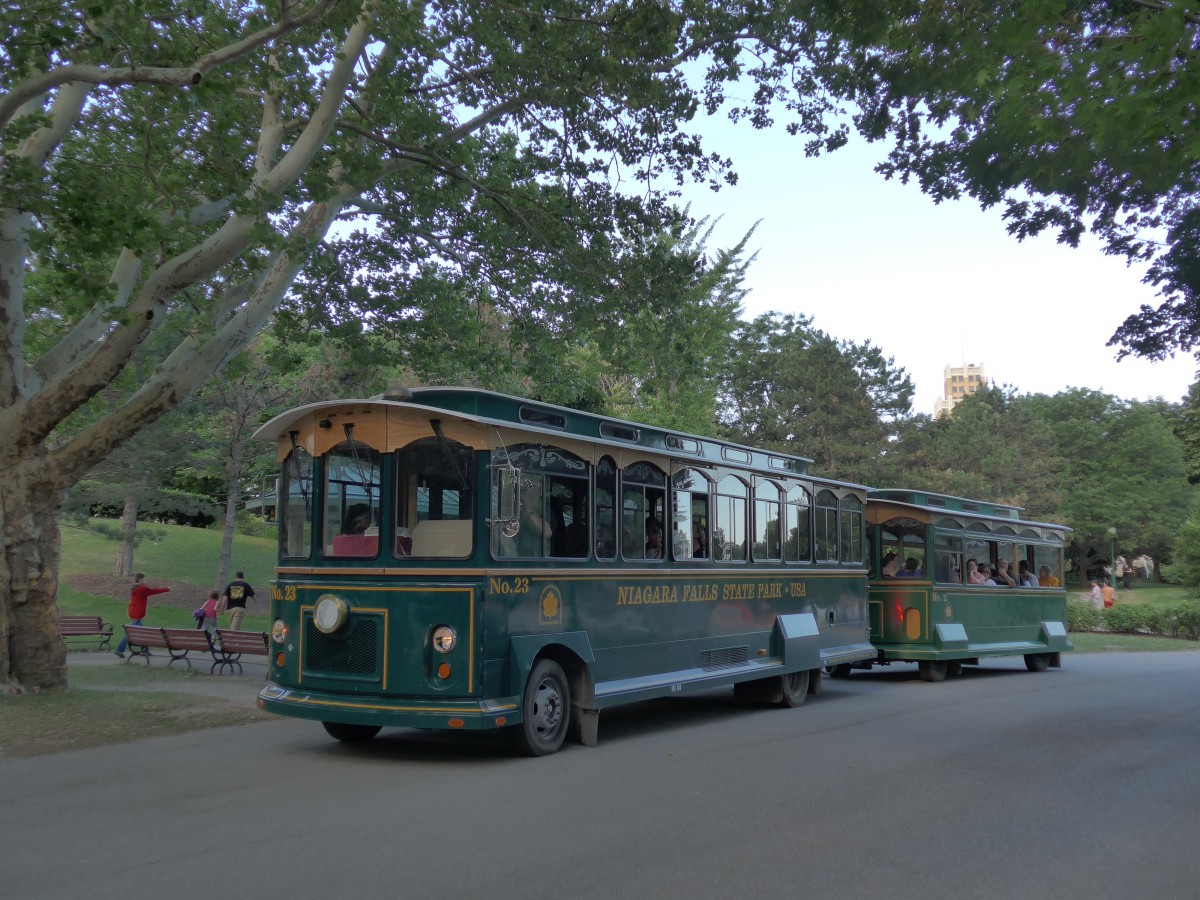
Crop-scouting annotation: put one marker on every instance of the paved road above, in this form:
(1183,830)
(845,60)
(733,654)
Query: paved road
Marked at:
(1081,782)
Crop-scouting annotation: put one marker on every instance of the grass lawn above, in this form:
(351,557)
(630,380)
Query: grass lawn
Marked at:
(173,553)
(1145,593)
(1102,642)
(169,551)
(113,704)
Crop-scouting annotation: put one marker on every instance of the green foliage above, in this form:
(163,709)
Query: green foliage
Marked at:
(795,388)
(252,525)
(1185,569)
(1047,109)
(993,446)
(1180,620)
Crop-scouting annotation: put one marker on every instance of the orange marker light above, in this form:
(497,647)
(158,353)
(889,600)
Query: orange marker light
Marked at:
(455,723)
(279,659)
(501,720)
(443,670)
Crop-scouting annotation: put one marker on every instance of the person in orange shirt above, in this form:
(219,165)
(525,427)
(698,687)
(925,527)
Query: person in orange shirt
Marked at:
(1109,595)
(1045,579)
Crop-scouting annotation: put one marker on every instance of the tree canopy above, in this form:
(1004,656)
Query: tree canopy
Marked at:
(171,171)
(795,388)
(1073,115)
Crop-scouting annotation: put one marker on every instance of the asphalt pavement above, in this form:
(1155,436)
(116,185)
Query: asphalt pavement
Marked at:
(1080,782)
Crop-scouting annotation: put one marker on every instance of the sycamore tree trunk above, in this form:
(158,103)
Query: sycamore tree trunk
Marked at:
(32,656)
(233,472)
(124,561)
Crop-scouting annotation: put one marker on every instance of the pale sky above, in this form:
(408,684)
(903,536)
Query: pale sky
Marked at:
(930,285)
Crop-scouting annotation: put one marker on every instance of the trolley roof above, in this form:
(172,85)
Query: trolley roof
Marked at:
(930,501)
(495,409)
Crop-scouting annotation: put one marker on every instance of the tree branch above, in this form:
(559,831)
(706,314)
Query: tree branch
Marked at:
(172,76)
(192,363)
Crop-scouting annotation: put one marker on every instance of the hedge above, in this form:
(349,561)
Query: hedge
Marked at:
(1180,621)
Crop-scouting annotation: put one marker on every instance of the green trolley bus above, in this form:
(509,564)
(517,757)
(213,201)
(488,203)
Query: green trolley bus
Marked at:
(454,558)
(954,581)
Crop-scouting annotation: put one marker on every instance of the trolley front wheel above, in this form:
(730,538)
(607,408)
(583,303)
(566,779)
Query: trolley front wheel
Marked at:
(1037,662)
(841,670)
(546,710)
(954,668)
(932,670)
(351,733)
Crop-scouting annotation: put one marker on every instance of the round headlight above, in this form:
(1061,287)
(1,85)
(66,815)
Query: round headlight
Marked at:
(330,613)
(279,631)
(444,639)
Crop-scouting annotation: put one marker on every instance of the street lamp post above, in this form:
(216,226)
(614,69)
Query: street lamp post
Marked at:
(1112,555)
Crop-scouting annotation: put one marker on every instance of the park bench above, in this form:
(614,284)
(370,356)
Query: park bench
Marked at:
(230,645)
(176,641)
(85,627)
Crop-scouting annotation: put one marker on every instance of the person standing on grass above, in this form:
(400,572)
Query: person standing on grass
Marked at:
(236,595)
(138,595)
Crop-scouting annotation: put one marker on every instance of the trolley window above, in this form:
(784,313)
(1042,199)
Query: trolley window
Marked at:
(552,504)
(798,547)
(296,505)
(643,511)
(851,525)
(767,507)
(606,508)
(947,558)
(689,499)
(352,495)
(434,499)
(729,534)
(826,527)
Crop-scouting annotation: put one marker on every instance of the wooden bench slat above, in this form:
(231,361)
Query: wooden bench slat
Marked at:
(85,626)
(232,644)
(225,651)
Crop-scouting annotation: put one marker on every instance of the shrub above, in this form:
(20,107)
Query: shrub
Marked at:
(1122,619)
(1082,616)
(1180,621)
(252,525)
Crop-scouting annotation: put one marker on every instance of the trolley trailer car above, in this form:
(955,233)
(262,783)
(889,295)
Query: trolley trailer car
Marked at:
(460,559)
(928,605)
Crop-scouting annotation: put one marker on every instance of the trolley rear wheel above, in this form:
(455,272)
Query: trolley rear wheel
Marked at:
(351,733)
(953,668)
(546,710)
(795,688)
(1037,662)
(932,670)
(842,670)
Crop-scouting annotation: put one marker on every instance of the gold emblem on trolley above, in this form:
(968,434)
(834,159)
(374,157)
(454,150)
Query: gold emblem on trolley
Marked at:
(550,605)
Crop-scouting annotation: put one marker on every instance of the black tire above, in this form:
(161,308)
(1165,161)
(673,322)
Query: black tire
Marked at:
(351,734)
(1037,662)
(953,668)
(932,670)
(794,688)
(546,710)
(842,670)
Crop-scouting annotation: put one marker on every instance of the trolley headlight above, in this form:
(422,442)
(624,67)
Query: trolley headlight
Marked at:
(330,613)
(444,639)
(279,631)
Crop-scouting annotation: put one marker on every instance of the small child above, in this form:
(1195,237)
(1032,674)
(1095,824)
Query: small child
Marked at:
(213,607)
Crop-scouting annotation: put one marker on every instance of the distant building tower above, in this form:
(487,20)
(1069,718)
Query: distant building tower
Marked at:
(958,381)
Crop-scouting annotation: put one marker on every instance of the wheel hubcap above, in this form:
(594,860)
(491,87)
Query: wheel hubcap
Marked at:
(547,709)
